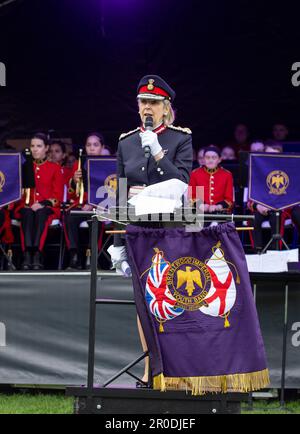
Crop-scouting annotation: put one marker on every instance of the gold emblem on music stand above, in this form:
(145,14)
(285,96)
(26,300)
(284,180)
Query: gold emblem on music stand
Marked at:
(110,184)
(278,182)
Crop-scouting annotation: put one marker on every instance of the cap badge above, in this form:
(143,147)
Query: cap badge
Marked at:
(150,84)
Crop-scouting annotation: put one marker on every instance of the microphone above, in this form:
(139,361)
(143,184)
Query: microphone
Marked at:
(148,127)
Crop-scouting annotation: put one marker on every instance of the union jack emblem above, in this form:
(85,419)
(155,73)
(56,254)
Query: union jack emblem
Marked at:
(161,302)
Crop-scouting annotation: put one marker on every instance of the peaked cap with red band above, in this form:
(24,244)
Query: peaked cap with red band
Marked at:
(154,87)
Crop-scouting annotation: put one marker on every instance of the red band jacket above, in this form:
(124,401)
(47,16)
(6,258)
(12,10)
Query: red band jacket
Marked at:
(217,183)
(49,186)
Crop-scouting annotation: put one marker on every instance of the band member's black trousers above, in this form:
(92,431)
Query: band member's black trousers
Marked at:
(33,225)
(257,234)
(296,217)
(72,223)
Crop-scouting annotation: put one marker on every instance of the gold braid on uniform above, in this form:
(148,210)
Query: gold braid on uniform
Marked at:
(183,130)
(122,136)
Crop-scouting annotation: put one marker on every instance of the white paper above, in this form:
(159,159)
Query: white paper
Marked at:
(271,262)
(162,197)
(154,205)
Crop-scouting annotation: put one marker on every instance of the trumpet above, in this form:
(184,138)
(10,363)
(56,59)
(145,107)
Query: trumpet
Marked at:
(79,184)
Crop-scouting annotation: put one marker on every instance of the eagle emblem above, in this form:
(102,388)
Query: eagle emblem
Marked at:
(277,182)
(110,184)
(2,181)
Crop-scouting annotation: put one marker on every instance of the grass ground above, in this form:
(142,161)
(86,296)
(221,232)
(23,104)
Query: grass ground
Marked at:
(21,403)
(272,407)
(26,403)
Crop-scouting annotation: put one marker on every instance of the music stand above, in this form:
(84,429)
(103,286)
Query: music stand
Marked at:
(277,237)
(274,182)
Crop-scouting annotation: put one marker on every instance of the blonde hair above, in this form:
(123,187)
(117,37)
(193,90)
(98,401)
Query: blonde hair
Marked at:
(169,118)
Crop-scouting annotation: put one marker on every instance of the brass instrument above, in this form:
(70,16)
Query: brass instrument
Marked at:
(27,190)
(79,184)
(27,196)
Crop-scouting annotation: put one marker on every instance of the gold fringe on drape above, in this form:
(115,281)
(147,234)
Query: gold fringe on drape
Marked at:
(220,384)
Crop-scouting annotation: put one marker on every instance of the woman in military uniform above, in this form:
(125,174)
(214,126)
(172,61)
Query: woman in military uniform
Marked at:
(148,157)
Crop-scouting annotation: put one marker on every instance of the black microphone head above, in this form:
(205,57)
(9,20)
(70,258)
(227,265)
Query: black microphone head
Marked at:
(149,123)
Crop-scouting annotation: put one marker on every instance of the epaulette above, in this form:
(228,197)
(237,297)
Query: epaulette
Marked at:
(183,130)
(122,136)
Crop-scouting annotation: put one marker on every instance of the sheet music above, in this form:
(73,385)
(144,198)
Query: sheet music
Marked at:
(271,262)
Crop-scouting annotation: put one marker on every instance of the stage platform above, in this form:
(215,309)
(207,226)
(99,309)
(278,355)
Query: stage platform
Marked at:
(44,321)
(128,400)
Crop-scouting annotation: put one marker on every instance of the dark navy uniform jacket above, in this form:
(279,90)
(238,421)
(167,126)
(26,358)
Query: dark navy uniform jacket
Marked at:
(177,162)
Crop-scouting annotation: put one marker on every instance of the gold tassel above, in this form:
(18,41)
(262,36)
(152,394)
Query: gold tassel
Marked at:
(226,323)
(161,327)
(242,383)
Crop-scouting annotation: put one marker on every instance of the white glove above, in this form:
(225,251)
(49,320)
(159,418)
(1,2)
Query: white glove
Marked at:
(123,269)
(119,260)
(149,138)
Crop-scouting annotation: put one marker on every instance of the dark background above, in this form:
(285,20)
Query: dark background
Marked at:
(73,65)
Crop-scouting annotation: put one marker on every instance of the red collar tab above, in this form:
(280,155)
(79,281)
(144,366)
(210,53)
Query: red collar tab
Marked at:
(157,130)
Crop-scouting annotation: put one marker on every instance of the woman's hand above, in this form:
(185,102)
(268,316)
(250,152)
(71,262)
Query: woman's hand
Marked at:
(36,206)
(262,209)
(149,138)
(203,207)
(77,176)
(212,208)
(87,207)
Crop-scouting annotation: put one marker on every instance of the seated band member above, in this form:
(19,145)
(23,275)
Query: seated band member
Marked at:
(58,154)
(41,206)
(262,213)
(216,181)
(93,147)
(6,235)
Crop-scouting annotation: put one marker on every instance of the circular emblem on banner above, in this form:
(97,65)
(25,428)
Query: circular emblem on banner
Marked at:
(110,185)
(2,181)
(277,181)
(189,282)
